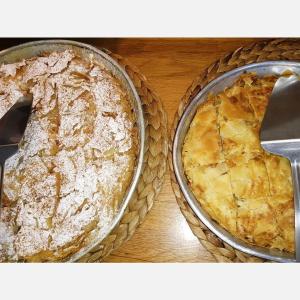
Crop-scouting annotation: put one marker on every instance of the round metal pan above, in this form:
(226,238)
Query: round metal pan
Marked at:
(36,48)
(216,86)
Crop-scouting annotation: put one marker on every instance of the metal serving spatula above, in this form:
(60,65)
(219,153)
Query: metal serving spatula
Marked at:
(280,134)
(12,128)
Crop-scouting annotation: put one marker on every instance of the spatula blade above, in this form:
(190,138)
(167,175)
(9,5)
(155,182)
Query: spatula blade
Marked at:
(14,122)
(282,118)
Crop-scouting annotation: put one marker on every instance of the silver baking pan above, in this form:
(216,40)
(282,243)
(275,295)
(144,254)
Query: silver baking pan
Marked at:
(31,49)
(216,86)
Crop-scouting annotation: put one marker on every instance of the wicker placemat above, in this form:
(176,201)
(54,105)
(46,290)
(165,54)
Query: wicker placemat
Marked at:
(155,164)
(279,49)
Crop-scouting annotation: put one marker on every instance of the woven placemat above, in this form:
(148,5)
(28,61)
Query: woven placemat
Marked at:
(278,49)
(155,164)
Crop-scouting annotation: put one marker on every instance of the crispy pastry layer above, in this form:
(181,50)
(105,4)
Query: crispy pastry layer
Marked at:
(246,190)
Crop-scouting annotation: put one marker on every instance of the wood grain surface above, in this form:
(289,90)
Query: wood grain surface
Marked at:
(170,66)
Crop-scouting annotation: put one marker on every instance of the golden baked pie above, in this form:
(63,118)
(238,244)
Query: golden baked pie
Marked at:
(242,187)
(76,160)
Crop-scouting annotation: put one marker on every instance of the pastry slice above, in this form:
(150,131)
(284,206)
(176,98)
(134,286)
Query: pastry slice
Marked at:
(234,105)
(202,144)
(256,222)
(211,186)
(283,208)
(258,93)
(279,173)
(240,141)
(250,180)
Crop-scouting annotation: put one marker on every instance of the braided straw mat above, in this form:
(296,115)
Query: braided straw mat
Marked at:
(278,49)
(155,165)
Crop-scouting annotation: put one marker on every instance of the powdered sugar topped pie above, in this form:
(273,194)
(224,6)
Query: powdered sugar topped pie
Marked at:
(76,160)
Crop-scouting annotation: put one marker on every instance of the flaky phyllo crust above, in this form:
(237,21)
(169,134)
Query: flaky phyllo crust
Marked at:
(242,187)
(63,187)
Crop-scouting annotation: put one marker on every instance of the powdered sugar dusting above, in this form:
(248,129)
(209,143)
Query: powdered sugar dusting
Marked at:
(76,159)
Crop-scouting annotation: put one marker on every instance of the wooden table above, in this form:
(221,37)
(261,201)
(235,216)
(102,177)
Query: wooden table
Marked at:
(170,66)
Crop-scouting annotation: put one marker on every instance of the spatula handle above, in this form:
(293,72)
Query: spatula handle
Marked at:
(296,182)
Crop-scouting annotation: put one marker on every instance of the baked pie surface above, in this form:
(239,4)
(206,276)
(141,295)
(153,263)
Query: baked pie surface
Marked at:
(242,187)
(76,160)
